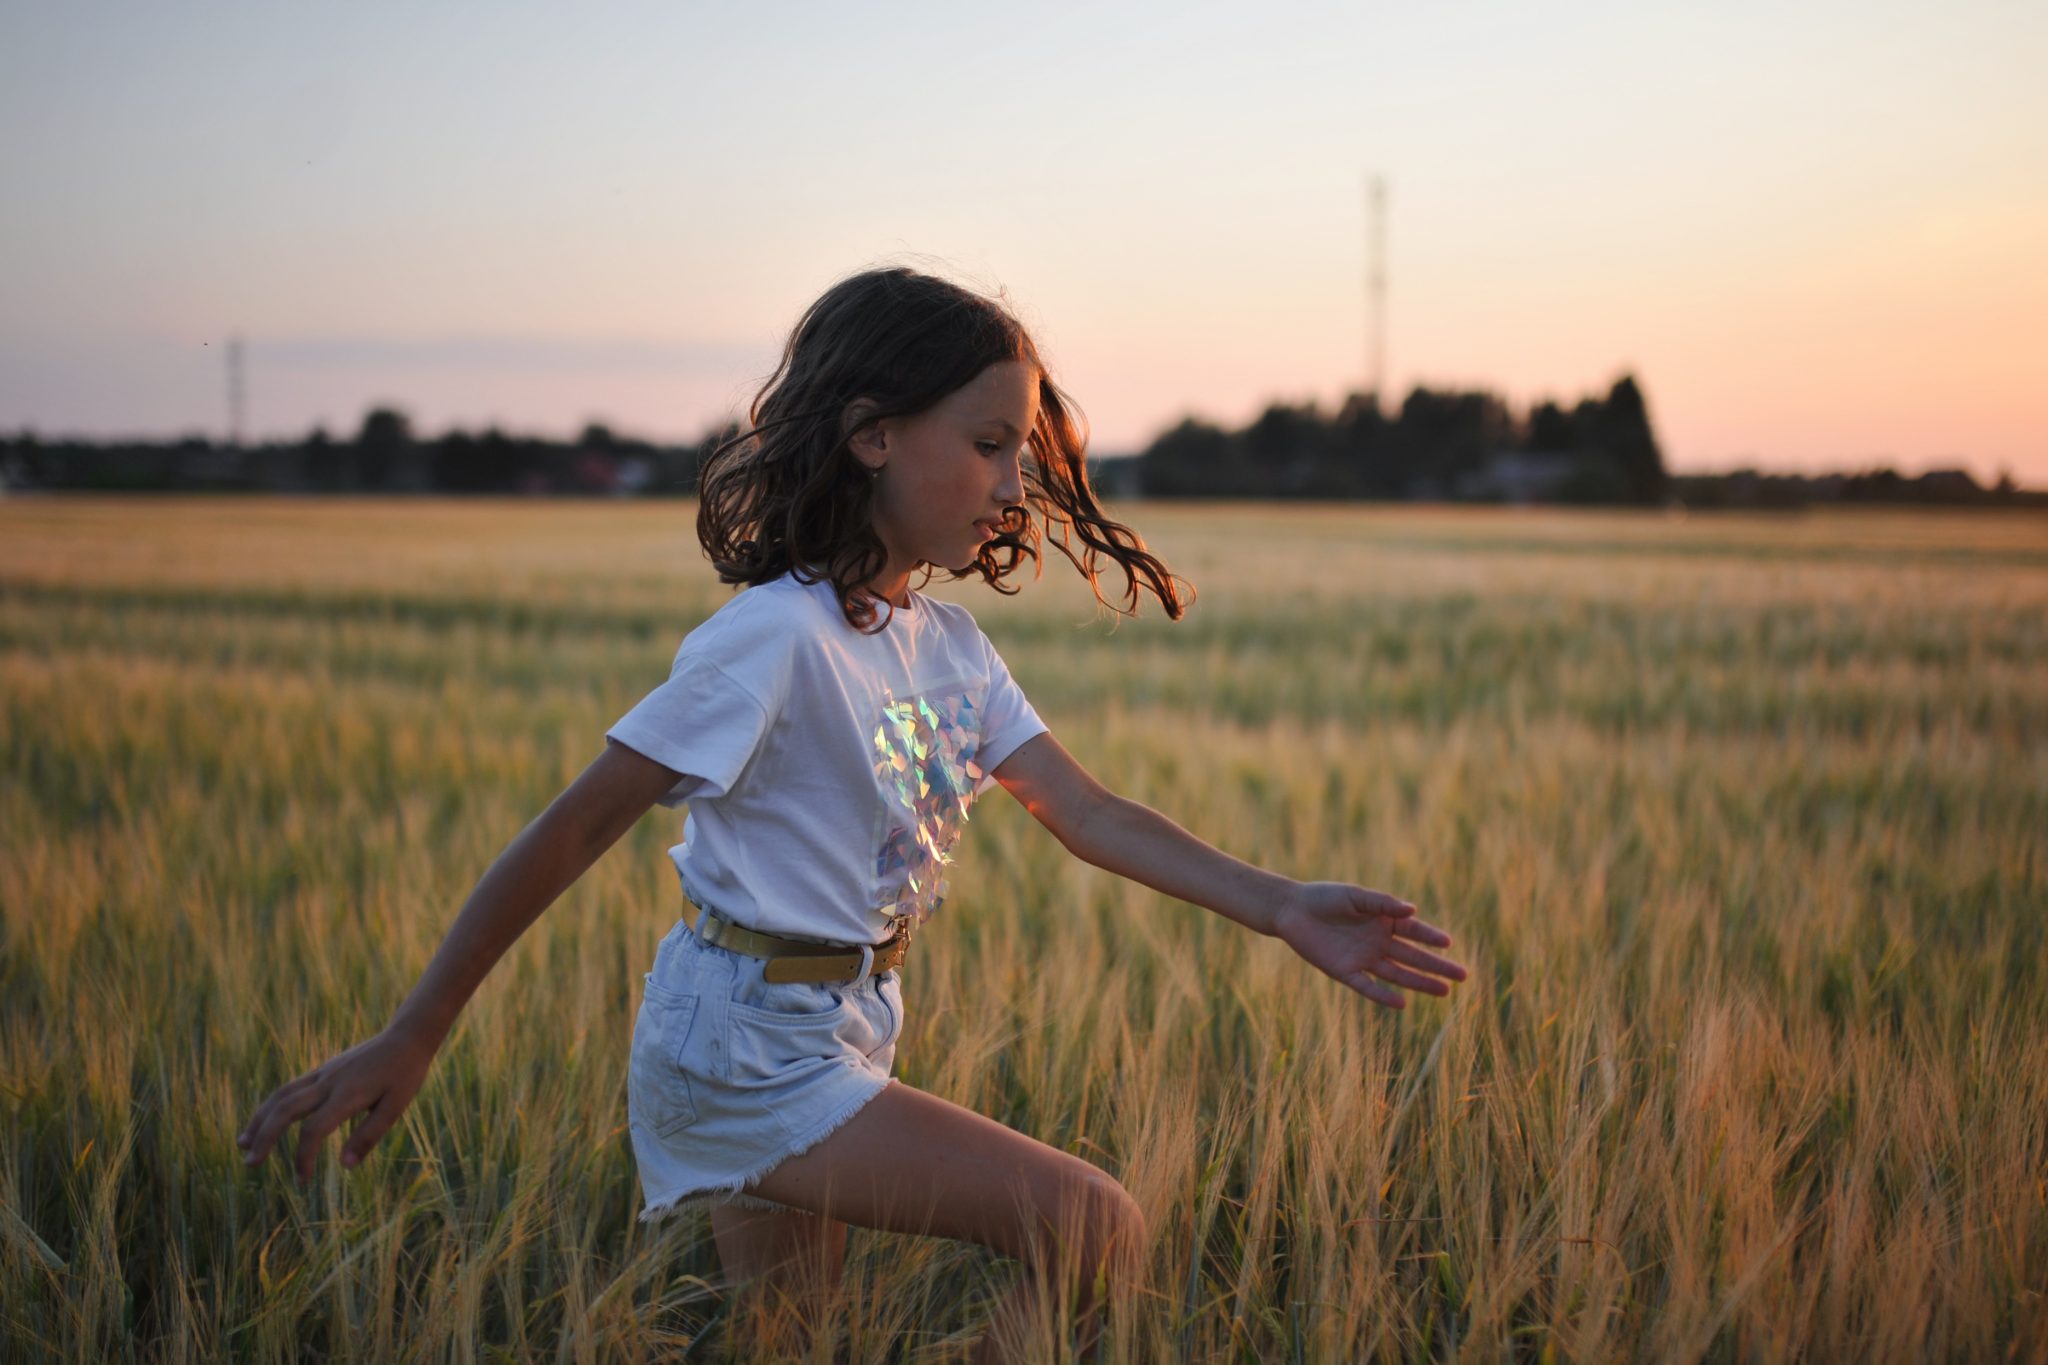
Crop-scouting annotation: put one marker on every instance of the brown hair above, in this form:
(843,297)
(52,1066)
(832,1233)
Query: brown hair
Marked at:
(788,495)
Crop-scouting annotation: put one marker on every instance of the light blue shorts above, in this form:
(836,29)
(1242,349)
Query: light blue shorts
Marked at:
(730,1074)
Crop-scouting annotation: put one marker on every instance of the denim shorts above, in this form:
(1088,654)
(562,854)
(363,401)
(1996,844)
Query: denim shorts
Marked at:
(729,1073)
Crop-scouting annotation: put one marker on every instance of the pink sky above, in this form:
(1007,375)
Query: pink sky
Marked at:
(1814,236)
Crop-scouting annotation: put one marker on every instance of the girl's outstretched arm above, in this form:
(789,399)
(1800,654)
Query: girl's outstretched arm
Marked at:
(383,1073)
(1366,939)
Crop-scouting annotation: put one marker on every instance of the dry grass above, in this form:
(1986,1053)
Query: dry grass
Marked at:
(1738,821)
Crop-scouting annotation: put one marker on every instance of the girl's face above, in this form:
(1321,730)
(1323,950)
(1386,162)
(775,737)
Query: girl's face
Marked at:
(948,472)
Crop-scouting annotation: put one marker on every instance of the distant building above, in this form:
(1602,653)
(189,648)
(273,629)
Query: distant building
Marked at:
(1116,476)
(1949,485)
(636,472)
(1519,476)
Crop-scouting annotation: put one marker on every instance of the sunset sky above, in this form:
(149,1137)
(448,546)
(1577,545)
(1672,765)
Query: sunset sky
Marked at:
(1817,234)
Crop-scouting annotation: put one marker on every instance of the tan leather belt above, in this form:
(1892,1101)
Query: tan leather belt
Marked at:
(793,959)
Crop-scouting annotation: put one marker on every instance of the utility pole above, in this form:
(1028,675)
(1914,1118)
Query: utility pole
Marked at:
(1376,284)
(235,392)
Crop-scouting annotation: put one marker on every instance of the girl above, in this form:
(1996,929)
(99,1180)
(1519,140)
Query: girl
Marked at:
(829,727)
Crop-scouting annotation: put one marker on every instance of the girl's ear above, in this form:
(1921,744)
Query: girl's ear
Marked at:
(868,444)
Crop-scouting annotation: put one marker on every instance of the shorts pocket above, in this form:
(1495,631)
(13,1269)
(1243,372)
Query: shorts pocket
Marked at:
(764,999)
(765,1045)
(657,1089)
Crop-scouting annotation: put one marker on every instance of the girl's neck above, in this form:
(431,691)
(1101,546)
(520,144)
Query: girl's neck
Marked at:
(899,599)
(892,585)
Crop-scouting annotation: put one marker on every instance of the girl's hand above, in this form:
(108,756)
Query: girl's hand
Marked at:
(380,1075)
(1354,935)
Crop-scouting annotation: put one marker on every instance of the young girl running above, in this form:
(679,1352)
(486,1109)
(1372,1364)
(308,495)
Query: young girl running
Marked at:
(829,727)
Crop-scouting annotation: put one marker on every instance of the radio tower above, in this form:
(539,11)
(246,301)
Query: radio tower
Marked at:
(1376,284)
(235,392)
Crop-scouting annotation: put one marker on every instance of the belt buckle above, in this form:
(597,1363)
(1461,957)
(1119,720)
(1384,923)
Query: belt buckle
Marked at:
(904,924)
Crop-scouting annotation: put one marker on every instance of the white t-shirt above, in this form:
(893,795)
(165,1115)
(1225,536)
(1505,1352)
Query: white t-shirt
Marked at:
(828,772)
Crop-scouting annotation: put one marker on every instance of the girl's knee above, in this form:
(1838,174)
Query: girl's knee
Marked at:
(1097,1220)
(1125,1232)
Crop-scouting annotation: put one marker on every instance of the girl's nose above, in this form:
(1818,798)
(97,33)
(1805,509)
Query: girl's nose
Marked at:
(1011,489)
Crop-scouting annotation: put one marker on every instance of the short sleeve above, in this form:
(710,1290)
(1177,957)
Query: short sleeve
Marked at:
(702,723)
(1007,719)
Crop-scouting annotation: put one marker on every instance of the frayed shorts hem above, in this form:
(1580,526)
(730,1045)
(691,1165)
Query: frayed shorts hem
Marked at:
(730,1191)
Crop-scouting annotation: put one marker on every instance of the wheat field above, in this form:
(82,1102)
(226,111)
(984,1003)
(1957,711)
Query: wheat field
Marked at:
(1739,823)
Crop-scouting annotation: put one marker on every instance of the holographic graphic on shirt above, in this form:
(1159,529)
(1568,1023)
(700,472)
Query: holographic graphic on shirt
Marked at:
(921,762)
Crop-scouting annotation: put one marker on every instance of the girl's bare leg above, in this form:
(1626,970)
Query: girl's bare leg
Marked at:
(785,1267)
(912,1162)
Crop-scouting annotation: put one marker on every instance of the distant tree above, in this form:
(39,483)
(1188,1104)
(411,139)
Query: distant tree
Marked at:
(1624,436)
(1589,422)
(1549,428)
(1283,449)
(460,463)
(1876,485)
(1493,424)
(1358,438)
(385,429)
(386,434)
(497,460)
(1446,435)
(1193,459)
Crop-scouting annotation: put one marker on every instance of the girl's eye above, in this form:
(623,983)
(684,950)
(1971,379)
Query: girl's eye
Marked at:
(990,446)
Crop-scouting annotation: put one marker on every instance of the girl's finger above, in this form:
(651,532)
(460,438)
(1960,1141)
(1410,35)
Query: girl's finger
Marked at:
(253,1145)
(1421,931)
(283,1110)
(1428,962)
(1414,981)
(257,1120)
(312,1133)
(1376,992)
(282,1095)
(373,1126)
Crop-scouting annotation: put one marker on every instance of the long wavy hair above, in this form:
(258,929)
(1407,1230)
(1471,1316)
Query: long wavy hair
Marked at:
(788,495)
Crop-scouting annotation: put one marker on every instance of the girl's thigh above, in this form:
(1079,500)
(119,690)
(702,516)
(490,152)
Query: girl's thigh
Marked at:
(912,1162)
(758,1243)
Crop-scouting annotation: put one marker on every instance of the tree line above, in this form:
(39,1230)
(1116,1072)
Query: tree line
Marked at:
(1440,445)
